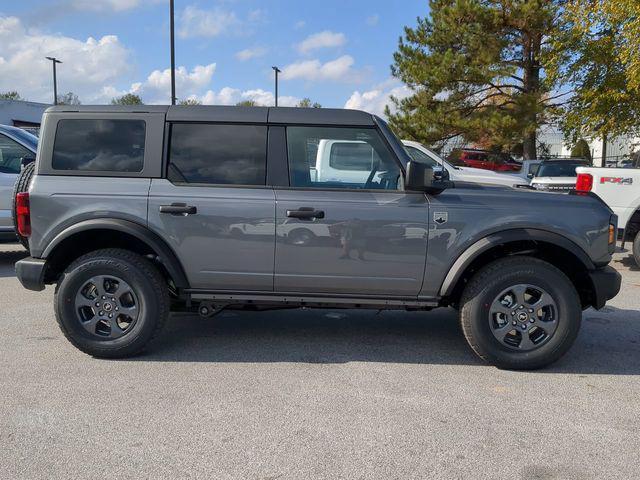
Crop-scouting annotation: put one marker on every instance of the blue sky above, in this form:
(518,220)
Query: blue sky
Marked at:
(335,52)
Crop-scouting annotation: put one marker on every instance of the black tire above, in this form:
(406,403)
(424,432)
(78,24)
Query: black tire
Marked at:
(146,282)
(636,249)
(486,286)
(22,185)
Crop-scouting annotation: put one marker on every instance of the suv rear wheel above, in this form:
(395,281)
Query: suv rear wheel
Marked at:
(520,313)
(111,303)
(22,185)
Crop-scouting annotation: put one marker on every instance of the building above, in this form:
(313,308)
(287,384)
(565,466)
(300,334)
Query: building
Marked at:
(18,113)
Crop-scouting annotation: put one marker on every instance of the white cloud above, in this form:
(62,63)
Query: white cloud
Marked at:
(300,24)
(375,100)
(157,87)
(88,65)
(326,39)
(249,53)
(231,96)
(373,20)
(196,22)
(340,69)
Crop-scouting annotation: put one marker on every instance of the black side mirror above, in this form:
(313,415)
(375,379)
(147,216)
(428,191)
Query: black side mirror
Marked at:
(420,178)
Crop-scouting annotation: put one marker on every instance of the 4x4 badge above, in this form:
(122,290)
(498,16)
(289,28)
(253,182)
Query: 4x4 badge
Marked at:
(441,218)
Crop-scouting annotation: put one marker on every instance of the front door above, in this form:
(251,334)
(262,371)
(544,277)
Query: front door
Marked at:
(214,208)
(353,232)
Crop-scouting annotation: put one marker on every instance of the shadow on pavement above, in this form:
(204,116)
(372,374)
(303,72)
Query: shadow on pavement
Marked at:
(609,341)
(8,260)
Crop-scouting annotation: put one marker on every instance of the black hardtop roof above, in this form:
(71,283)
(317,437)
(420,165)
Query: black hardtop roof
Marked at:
(206,113)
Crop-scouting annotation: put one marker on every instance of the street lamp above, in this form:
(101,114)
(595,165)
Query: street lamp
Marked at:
(277,71)
(55,79)
(173,52)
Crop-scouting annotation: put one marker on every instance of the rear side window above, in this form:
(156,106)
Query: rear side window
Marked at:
(218,154)
(99,145)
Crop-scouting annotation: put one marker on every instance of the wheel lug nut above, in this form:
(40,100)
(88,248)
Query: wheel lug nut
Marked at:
(117,309)
(97,304)
(103,297)
(110,315)
(531,320)
(101,313)
(514,323)
(524,327)
(521,307)
(531,310)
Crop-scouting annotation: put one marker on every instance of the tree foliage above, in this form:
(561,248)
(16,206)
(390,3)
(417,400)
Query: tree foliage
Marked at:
(247,103)
(13,95)
(127,99)
(581,149)
(69,98)
(599,62)
(190,102)
(307,103)
(476,69)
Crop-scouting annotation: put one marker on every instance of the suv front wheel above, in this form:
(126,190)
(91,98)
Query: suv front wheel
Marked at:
(111,303)
(520,313)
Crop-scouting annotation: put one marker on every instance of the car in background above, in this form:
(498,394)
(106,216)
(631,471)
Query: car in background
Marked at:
(557,175)
(422,154)
(497,162)
(17,148)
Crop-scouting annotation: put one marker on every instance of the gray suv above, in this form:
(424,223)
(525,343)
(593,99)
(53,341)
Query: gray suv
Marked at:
(134,212)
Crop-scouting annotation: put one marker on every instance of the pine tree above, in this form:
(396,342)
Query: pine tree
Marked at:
(476,68)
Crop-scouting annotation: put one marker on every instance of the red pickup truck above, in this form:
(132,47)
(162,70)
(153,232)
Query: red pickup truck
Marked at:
(488,160)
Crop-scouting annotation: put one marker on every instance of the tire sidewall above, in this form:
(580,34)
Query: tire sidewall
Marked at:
(636,249)
(555,284)
(143,329)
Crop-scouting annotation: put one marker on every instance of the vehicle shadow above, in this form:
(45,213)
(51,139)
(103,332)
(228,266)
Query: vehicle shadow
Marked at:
(609,341)
(629,262)
(8,260)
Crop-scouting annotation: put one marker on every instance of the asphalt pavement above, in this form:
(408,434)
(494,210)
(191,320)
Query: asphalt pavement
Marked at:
(324,394)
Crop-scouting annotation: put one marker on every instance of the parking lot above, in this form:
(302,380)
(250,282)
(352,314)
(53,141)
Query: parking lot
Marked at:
(328,394)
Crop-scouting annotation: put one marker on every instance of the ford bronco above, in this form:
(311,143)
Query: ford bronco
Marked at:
(134,212)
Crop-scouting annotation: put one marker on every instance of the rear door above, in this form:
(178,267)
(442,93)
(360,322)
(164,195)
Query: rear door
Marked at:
(214,208)
(348,235)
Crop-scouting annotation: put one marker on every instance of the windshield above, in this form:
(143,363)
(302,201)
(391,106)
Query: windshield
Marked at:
(559,169)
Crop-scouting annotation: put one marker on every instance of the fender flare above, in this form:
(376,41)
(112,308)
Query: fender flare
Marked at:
(165,253)
(493,240)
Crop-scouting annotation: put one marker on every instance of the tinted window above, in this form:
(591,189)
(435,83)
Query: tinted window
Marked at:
(99,145)
(218,154)
(340,158)
(11,154)
(353,156)
(559,169)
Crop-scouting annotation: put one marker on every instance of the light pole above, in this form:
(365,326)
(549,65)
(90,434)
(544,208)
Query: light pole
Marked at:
(277,71)
(173,52)
(55,79)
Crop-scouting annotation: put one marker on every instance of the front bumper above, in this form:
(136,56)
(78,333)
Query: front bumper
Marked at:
(30,272)
(606,285)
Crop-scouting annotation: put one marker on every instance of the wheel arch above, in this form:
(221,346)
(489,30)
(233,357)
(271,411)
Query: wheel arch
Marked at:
(549,246)
(99,233)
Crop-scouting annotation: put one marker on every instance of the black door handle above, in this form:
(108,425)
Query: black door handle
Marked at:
(178,209)
(305,213)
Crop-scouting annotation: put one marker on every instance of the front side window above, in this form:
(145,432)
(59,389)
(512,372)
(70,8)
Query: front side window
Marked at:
(11,155)
(351,158)
(217,154)
(99,145)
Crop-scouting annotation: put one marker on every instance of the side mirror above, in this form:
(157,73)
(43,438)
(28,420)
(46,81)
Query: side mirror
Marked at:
(420,178)
(530,176)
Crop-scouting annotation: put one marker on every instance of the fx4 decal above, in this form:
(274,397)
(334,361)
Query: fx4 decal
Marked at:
(617,180)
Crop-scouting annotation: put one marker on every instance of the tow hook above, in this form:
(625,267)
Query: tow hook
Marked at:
(208,309)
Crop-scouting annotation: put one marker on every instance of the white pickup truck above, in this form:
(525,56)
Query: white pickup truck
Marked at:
(620,189)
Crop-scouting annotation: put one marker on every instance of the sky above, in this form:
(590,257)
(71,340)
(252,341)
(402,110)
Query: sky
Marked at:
(337,53)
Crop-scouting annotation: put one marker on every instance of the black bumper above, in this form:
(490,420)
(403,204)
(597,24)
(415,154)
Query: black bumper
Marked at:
(30,272)
(606,285)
